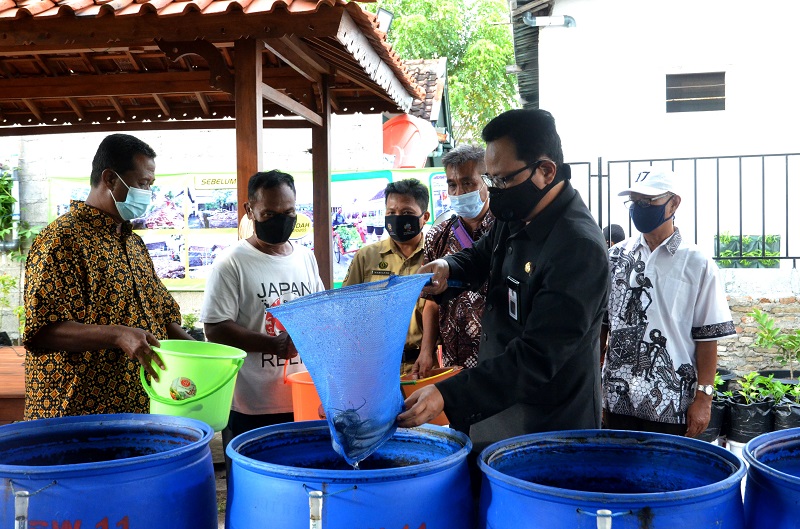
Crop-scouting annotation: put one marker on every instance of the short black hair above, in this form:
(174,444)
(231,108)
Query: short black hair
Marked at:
(117,152)
(614,232)
(268,180)
(464,154)
(533,133)
(411,187)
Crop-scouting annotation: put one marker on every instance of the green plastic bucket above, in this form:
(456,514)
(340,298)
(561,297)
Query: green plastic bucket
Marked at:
(197,382)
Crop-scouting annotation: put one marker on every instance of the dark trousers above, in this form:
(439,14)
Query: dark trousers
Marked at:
(615,421)
(239,423)
(410,355)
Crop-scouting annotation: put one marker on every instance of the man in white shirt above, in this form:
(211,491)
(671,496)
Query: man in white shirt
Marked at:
(667,309)
(259,272)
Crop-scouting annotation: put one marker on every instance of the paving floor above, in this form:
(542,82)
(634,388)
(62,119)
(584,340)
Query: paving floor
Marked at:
(218,457)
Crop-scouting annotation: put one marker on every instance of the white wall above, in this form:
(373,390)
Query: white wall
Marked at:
(604,80)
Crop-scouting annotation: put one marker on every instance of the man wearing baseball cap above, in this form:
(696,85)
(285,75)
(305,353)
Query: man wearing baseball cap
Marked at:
(667,309)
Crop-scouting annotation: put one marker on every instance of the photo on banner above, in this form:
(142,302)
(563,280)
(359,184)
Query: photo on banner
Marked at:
(192,218)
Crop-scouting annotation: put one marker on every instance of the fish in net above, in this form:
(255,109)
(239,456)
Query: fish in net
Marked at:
(351,341)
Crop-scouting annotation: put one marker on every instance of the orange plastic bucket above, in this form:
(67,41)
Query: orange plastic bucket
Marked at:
(305,400)
(409,386)
(307,405)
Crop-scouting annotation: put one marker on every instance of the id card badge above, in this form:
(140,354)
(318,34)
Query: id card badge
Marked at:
(513,298)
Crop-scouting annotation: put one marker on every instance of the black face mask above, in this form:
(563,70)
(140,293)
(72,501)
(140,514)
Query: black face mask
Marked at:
(516,203)
(275,230)
(403,228)
(648,219)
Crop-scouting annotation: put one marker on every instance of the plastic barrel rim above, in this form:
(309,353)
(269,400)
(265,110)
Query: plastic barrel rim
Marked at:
(276,468)
(585,478)
(100,470)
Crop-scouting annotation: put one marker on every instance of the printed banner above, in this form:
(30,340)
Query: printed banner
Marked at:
(193,217)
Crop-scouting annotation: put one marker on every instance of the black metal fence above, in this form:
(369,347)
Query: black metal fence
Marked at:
(742,210)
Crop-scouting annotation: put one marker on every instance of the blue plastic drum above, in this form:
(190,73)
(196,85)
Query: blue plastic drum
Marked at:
(107,472)
(419,478)
(635,480)
(772,489)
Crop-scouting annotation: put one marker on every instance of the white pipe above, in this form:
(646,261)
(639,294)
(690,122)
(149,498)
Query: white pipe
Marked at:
(21,498)
(315,509)
(556,20)
(604,519)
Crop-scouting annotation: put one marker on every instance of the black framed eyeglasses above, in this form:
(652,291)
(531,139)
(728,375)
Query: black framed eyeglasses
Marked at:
(646,202)
(501,182)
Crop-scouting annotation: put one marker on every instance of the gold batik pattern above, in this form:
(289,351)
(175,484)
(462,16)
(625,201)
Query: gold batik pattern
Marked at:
(80,269)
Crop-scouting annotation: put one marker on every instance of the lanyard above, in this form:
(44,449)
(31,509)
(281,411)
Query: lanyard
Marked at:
(461,234)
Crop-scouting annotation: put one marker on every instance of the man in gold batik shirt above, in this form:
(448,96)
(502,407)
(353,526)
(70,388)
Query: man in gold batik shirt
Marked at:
(94,304)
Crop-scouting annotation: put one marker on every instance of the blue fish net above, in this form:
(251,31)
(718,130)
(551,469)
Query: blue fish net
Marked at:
(351,341)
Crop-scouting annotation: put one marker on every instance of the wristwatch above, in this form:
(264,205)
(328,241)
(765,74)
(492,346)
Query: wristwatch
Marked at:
(708,389)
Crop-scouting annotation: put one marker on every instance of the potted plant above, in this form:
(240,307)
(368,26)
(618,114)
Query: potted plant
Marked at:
(7,283)
(189,320)
(7,202)
(786,412)
(770,336)
(722,379)
(750,407)
(19,312)
(732,251)
(717,426)
(25,235)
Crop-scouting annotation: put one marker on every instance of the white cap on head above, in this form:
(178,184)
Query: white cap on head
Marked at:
(653,183)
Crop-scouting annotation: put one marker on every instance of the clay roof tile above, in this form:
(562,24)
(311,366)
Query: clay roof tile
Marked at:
(34,7)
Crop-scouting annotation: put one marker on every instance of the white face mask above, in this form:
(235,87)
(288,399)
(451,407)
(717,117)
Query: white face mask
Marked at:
(135,204)
(469,205)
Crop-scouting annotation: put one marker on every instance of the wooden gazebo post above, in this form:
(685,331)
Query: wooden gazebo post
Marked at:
(249,114)
(321,166)
(249,158)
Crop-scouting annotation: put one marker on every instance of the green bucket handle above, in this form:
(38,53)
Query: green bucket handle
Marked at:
(237,364)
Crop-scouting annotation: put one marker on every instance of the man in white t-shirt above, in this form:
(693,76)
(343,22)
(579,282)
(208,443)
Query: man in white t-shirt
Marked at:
(667,309)
(259,272)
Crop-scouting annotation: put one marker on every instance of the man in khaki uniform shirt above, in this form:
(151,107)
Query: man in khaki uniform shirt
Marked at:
(400,254)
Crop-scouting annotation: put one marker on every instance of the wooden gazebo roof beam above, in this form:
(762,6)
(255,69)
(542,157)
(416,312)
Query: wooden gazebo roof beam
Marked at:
(295,107)
(195,124)
(76,107)
(112,85)
(34,109)
(295,60)
(68,33)
(117,107)
(162,104)
(201,99)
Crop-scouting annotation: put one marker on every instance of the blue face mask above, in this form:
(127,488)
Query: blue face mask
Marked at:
(469,205)
(135,204)
(649,218)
